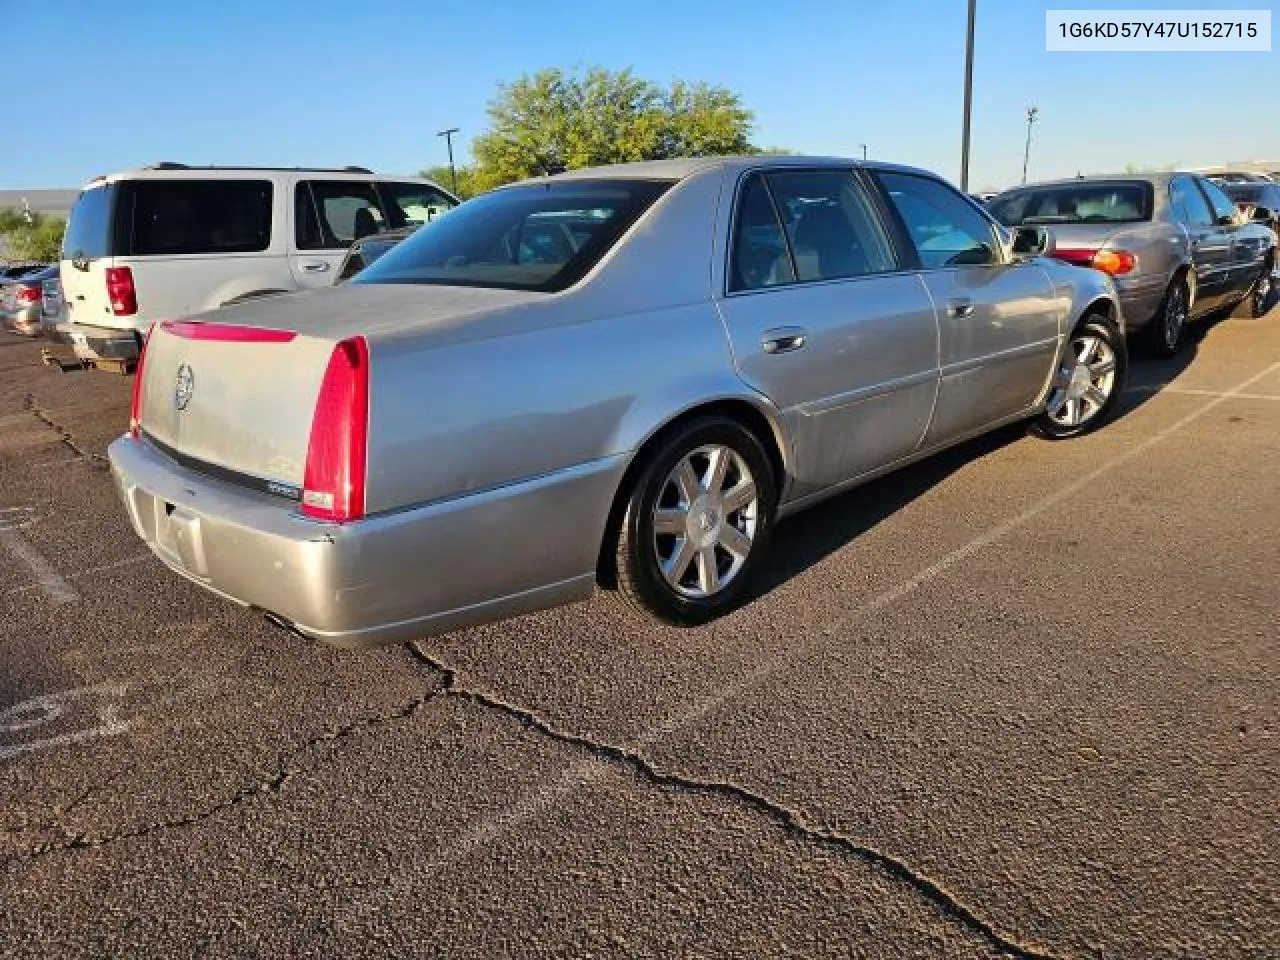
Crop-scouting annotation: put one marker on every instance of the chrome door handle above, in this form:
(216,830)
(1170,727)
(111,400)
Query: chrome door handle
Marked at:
(315,266)
(960,308)
(783,339)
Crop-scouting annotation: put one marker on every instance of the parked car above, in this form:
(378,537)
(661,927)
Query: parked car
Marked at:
(474,426)
(171,240)
(1175,243)
(14,271)
(368,249)
(22,302)
(1259,202)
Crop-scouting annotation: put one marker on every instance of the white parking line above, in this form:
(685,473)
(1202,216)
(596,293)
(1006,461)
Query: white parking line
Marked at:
(49,707)
(86,572)
(1193,392)
(532,801)
(48,579)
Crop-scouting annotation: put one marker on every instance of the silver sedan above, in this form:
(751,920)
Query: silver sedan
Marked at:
(622,376)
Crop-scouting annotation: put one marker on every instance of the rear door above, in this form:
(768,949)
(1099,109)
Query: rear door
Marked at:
(999,320)
(86,254)
(328,216)
(825,321)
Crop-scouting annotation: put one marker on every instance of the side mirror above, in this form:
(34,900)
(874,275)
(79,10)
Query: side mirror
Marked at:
(1033,242)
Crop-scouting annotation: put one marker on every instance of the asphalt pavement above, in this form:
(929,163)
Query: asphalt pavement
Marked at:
(1018,700)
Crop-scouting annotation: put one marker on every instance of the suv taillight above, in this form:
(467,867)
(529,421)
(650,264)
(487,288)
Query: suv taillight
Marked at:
(135,402)
(28,294)
(120,291)
(334,479)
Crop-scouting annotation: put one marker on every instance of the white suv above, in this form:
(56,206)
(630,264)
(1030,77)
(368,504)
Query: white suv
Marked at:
(171,240)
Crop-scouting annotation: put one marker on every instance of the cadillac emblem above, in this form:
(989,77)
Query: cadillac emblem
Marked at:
(185,386)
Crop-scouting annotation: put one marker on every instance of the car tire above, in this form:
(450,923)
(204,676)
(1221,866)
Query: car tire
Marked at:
(1257,301)
(698,520)
(1164,334)
(1087,384)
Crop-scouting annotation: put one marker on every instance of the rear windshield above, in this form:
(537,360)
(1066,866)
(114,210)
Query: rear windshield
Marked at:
(171,217)
(542,237)
(88,235)
(1127,202)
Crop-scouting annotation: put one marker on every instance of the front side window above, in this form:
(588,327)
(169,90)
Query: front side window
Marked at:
(1093,202)
(542,237)
(88,234)
(1189,205)
(1224,210)
(173,217)
(413,204)
(342,211)
(946,229)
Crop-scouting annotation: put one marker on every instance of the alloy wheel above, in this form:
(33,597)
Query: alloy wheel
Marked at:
(704,521)
(1084,382)
(1175,317)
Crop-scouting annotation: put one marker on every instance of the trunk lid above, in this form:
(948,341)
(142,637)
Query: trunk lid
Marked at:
(1078,242)
(236,389)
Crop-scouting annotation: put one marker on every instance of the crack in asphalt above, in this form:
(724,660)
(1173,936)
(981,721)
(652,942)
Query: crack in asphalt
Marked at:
(30,404)
(273,783)
(787,818)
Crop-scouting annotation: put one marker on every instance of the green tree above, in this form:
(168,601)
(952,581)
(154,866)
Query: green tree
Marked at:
(32,236)
(553,120)
(466,179)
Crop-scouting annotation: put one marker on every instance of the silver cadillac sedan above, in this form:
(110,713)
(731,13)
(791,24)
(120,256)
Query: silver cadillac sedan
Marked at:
(621,376)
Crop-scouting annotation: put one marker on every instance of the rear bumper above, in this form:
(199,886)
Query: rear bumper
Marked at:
(98,343)
(387,579)
(1140,298)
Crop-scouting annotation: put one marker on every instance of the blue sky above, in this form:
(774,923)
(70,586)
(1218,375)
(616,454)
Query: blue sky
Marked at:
(292,83)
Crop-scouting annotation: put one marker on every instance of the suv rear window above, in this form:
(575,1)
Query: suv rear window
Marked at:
(171,217)
(88,235)
(1122,202)
(543,237)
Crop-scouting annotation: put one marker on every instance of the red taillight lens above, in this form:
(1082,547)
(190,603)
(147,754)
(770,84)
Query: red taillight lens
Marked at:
(334,479)
(28,295)
(226,332)
(120,291)
(1114,262)
(1081,258)
(135,402)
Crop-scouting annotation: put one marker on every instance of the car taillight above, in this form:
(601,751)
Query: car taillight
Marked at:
(333,482)
(120,291)
(28,295)
(135,402)
(1114,262)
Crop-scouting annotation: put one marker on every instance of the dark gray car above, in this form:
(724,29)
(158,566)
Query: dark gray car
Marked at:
(1175,243)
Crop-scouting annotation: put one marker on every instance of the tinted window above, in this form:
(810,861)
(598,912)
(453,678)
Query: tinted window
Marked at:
(1189,205)
(946,229)
(1248,192)
(88,233)
(1221,203)
(832,229)
(413,204)
(542,237)
(171,217)
(760,255)
(1075,203)
(340,212)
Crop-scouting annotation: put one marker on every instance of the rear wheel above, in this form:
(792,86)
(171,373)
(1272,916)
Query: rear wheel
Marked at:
(1164,333)
(698,520)
(1086,384)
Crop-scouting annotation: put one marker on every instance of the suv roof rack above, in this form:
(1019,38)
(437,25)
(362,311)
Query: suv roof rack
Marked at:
(172,165)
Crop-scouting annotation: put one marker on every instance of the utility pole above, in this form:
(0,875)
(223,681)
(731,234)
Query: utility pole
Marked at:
(1033,114)
(448,139)
(864,152)
(968,98)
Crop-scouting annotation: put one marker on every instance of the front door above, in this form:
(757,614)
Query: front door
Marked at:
(1210,244)
(999,320)
(824,321)
(328,216)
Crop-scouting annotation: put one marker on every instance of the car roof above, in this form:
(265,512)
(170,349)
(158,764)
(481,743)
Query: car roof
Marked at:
(1155,179)
(176,171)
(681,168)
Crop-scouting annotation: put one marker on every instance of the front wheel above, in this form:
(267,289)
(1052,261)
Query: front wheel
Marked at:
(1086,384)
(697,523)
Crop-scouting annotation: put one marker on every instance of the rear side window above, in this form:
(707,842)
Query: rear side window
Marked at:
(341,212)
(760,254)
(1189,205)
(174,217)
(88,235)
(947,229)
